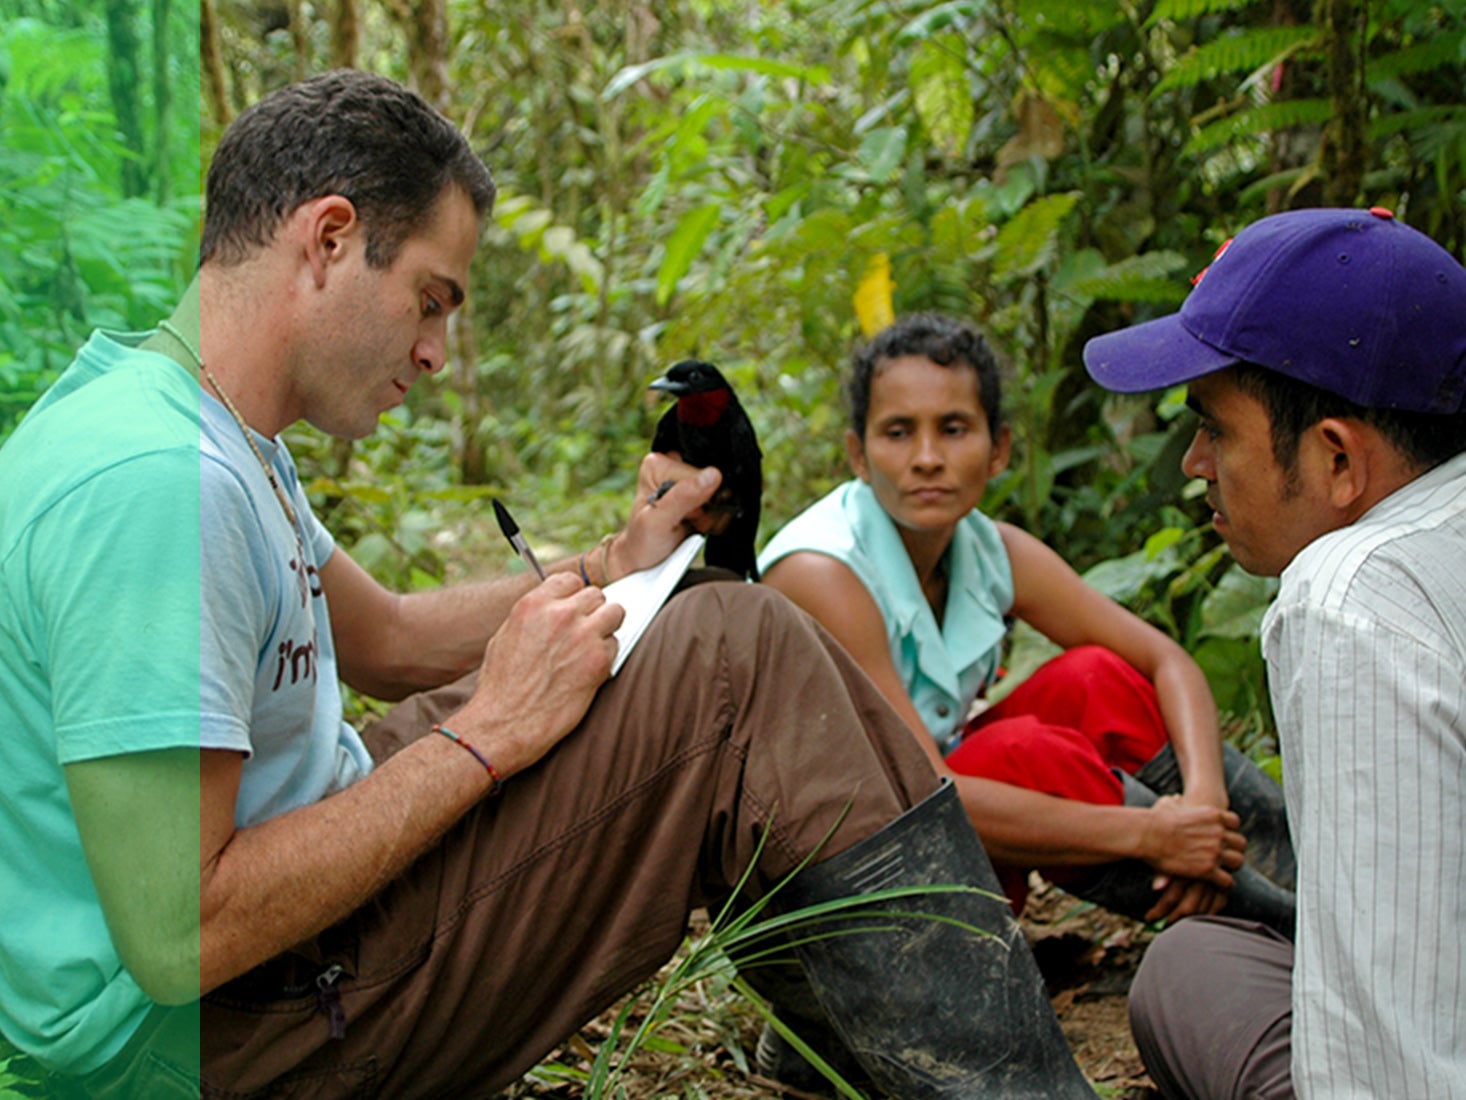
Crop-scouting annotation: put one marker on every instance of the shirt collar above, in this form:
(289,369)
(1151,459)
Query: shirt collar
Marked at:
(964,637)
(184,321)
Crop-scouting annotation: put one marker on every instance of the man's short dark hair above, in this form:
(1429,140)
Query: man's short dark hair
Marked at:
(1425,440)
(343,133)
(942,339)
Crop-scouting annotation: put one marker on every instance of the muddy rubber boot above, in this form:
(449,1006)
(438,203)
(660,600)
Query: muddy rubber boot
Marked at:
(1253,796)
(1125,886)
(777,976)
(783,984)
(930,1008)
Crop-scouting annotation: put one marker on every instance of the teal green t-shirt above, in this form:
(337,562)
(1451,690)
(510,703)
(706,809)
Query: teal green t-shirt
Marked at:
(99,656)
(943,667)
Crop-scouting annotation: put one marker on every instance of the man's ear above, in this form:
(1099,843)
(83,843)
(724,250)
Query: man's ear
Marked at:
(332,229)
(1341,444)
(1002,451)
(855,451)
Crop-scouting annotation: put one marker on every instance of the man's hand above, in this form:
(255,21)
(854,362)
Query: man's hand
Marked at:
(540,671)
(1185,897)
(668,507)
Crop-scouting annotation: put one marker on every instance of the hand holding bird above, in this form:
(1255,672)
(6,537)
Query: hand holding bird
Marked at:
(654,530)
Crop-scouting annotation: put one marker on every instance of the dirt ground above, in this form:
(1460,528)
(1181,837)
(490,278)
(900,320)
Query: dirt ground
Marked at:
(1088,958)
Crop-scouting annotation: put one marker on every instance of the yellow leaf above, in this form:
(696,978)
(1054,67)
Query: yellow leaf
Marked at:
(873,306)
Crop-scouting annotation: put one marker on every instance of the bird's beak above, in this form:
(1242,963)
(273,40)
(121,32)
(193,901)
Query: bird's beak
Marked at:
(668,385)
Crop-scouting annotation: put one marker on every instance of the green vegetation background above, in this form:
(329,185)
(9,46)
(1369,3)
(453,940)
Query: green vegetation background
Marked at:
(751,182)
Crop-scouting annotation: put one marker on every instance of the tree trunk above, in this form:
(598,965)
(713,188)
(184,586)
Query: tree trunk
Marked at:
(1343,154)
(345,35)
(472,459)
(300,39)
(427,33)
(162,99)
(123,70)
(211,62)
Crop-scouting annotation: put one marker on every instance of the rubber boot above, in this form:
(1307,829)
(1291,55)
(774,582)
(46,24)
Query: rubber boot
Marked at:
(1125,886)
(787,990)
(930,1008)
(1252,796)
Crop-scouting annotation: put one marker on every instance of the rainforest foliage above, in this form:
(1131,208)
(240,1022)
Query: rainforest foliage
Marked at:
(760,184)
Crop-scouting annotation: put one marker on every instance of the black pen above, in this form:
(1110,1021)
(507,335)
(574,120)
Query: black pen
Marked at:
(516,540)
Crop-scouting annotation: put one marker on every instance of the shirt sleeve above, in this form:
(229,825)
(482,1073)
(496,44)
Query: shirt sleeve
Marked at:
(1375,765)
(239,588)
(119,596)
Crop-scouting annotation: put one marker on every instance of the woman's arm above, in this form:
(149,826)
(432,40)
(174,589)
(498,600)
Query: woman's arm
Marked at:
(1017,826)
(1053,599)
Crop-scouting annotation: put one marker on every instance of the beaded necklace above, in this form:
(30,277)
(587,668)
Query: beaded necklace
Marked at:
(249,435)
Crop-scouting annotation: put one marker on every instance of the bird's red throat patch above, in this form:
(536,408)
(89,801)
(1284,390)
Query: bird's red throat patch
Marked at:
(703,409)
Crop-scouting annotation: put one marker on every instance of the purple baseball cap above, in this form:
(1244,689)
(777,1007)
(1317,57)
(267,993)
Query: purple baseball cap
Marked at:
(1351,301)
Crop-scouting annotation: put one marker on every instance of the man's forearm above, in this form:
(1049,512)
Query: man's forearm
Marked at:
(439,635)
(280,882)
(423,640)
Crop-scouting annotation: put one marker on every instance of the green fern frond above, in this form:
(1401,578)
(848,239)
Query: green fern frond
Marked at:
(1031,239)
(1440,50)
(1255,122)
(1245,52)
(1410,122)
(1083,18)
(1149,277)
(1181,11)
(1286,181)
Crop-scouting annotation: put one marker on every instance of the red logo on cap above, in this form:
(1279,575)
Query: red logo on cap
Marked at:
(1195,279)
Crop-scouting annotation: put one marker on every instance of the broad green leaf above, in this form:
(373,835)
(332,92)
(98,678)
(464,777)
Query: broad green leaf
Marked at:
(683,246)
(1234,609)
(881,152)
(942,94)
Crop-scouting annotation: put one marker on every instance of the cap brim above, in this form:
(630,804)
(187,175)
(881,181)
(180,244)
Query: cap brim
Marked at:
(1151,356)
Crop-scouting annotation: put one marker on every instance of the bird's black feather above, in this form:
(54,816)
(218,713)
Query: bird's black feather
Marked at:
(708,427)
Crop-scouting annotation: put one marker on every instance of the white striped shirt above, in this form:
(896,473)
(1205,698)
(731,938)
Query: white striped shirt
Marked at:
(1366,653)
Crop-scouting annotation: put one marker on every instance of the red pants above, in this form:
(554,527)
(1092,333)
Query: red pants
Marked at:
(1062,731)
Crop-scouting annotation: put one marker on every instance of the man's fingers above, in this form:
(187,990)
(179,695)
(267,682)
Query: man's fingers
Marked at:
(689,494)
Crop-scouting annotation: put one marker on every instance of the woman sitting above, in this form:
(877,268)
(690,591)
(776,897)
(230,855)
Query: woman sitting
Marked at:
(1105,769)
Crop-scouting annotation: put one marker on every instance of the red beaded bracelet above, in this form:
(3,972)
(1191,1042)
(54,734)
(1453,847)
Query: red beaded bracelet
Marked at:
(497,783)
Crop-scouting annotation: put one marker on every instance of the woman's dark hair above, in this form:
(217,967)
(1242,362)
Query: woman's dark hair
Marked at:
(942,339)
(1424,439)
(343,133)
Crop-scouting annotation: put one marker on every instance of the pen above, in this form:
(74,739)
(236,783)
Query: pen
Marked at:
(516,540)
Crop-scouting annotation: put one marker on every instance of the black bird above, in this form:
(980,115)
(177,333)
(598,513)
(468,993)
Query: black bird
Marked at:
(708,427)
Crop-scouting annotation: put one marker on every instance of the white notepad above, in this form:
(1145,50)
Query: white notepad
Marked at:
(642,594)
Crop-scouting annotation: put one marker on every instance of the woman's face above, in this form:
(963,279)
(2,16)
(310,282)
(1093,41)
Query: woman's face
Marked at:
(928,452)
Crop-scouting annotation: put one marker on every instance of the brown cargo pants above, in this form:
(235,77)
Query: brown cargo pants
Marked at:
(736,716)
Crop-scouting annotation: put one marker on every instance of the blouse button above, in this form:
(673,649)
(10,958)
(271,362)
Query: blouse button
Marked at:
(943,710)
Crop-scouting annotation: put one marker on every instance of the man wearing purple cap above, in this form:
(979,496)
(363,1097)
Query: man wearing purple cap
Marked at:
(1325,354)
